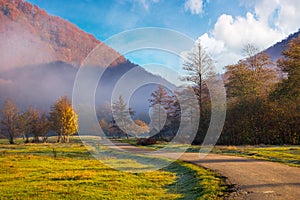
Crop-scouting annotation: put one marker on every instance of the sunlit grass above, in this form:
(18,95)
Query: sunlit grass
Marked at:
(34,171)
(289,155)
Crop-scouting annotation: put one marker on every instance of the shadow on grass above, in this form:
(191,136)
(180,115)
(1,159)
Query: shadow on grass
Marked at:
(190,184)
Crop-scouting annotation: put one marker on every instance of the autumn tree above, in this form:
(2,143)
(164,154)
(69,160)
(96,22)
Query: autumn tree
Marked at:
(63,119)
(252,77)
(10,120)
(248,84)
(286,97)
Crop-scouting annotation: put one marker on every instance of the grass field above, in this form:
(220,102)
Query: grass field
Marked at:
(289,155)
(68,171)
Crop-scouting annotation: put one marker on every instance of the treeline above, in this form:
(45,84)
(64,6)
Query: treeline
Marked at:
(264,104)
(263,99)
(31,123)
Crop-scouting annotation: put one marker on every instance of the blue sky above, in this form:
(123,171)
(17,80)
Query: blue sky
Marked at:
(222,26)
(106,18)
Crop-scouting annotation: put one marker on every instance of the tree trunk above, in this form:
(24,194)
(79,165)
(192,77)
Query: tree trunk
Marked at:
(11,140)
(67,139)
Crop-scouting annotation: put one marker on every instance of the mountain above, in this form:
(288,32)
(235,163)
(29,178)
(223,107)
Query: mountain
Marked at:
(276,50)
(40,56)
(30,36)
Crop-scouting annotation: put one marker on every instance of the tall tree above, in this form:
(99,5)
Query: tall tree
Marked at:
(199,66)
(63,119)
(10,120)
(160,101)
(286,96)
(121,119)
(290,66)
(248,84)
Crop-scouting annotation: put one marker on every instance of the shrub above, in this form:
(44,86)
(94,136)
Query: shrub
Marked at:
(146,141)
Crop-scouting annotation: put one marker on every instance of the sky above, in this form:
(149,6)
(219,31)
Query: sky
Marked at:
(223,27)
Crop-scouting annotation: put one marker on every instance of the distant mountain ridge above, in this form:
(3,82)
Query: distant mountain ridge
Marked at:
(276,50)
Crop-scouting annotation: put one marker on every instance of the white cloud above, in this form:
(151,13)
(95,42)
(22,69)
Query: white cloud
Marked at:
(236,32)
(217,50)
(270,22)
(194,6)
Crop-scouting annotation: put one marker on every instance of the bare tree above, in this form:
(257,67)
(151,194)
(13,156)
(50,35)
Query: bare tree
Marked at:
(199,66)
(10,120)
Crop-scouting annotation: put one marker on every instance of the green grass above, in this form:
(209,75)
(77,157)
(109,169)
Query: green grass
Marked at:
(289,155)
(68,171)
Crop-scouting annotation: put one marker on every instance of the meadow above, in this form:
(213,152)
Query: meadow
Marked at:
(68,171)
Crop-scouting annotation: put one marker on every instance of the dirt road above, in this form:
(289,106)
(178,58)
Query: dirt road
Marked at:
(254,179)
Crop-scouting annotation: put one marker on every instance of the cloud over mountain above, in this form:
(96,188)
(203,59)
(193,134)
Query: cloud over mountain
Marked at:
(269,22)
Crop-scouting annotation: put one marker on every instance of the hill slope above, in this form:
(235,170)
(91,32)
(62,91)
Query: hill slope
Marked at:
(40,55)
(276,50)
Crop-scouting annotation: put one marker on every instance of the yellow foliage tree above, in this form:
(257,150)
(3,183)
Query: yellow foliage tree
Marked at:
(63,119)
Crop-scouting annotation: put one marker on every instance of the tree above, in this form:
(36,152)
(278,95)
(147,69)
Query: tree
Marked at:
(286,96)
(188,114)
(63,119)
(33,123)
(26,122)
(41,128)
(248,84)
(121,116)
(10,120)
(290,66)
(199,66)
(159,101)
(252,77)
